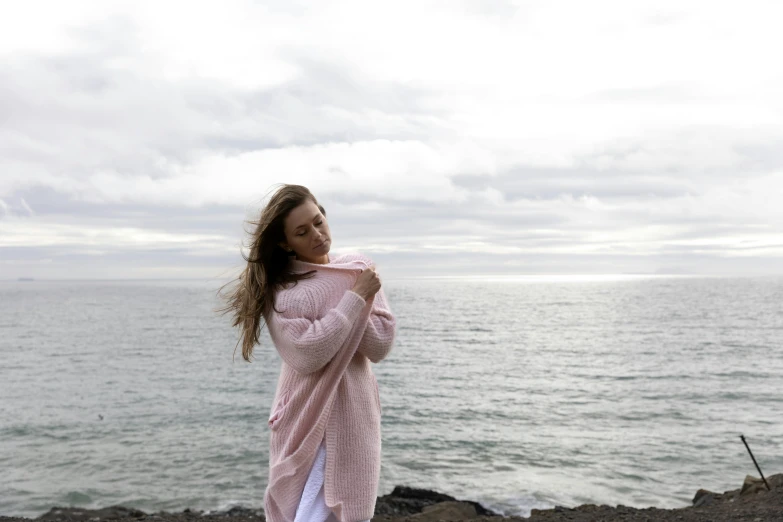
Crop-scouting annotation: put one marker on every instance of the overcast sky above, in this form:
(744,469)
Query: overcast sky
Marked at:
(442,137)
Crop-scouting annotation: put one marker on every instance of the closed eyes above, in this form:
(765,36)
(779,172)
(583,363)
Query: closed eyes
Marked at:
(303,233)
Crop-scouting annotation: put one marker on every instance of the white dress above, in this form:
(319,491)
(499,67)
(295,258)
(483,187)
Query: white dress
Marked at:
(312,506)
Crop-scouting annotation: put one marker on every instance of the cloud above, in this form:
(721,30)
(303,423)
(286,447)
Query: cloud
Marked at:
(646,134)
(26,207)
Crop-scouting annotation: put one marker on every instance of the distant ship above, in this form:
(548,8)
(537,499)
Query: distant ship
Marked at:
(25,279)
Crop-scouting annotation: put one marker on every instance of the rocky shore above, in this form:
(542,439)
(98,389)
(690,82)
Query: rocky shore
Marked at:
(752,502)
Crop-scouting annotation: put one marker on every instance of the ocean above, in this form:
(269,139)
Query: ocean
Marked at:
(518,393)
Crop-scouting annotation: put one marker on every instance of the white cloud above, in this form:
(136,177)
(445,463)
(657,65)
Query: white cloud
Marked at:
(26,207)
(404,170)
(510,128)
(38,232)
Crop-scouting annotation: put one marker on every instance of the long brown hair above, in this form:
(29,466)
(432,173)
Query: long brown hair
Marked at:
(252,294)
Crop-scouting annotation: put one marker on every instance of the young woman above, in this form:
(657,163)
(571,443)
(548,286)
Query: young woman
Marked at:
(329,320)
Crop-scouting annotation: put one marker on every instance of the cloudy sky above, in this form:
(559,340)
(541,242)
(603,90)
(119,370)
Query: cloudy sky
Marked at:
(442,137)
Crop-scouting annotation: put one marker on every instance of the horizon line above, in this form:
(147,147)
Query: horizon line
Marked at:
(483,277)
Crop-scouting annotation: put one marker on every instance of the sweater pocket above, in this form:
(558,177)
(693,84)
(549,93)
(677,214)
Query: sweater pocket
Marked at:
(279,410)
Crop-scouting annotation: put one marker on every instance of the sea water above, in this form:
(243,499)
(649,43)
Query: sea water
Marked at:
(514,392)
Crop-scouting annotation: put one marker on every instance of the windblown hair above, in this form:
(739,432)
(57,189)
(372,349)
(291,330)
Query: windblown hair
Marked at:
(252,295)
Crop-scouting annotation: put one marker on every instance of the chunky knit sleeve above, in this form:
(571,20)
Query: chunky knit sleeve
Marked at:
(380,331)
(305,342)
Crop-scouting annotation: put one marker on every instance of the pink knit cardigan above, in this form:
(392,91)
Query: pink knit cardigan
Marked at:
(326,336)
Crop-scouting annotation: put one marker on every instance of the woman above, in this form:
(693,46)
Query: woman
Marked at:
(329,319)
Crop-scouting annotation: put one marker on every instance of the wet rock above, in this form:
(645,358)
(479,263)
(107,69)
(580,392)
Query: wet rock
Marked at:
(704,497)
(405,501)
(72,514)
(446,511)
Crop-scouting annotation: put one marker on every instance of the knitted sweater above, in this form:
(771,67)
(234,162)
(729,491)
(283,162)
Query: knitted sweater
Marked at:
(326,336)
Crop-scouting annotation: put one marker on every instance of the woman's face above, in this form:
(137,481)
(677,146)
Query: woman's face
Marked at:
(307,234)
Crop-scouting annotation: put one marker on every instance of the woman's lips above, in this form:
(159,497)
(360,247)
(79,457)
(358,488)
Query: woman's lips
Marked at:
(322,244)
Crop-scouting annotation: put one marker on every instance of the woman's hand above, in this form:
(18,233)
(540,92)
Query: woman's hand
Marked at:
(368,283)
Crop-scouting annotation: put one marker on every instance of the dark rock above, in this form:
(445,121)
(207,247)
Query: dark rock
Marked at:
(408,501)
(703,497)
(73,514)
(446,511)
(422,494)
(405,501)
(239,511)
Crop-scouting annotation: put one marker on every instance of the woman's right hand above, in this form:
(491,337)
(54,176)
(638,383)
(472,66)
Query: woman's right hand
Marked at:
(368,283)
